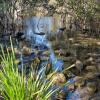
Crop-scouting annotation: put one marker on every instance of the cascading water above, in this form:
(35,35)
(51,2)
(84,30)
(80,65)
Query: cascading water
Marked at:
(34,28)
(56,64)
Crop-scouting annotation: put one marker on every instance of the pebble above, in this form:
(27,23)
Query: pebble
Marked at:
(59,78)
(79,82)
(17,61)
(79,65)
(26,50)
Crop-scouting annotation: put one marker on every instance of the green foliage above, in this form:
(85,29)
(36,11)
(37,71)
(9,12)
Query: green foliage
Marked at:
(16,86)
(83,8)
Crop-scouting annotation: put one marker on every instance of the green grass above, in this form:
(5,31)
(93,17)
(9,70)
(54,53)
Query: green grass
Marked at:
(16,86)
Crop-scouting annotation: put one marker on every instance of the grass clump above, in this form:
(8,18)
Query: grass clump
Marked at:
(16,86)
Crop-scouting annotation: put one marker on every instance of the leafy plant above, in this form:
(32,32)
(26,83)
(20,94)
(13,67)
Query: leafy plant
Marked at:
(16,86)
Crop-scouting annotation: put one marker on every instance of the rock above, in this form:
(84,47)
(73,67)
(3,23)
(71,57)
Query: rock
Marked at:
(71,87)
(79,65)
(17,52)
(89,75)
(17,61)
(26,51)
(85,97)
(61,96)
(61,9)
(93,54)
(84,94)
(91,87)
(91,68)
(52,3)
(89,61)
(23,43)
(98,66)
(98,43)
(71,40)
(46,53)
(41,11)
(60,52)
(79,82)
(58,79)
(69,74)
(98,60)
(36,60)
(77,78)
(96,96)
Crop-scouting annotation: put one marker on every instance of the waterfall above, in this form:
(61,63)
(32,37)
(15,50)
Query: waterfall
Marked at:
(42,40)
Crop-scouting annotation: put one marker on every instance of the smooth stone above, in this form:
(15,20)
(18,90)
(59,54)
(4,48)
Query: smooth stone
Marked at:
(96,96)
(84,93)
(89,61)
(79,82)
(17,61)
(61,96)
(26,50)
(79,65)
(91,68)
(71,87)
(89,75)
(58,78)
(46,53)
(91,87)
(17,51)
(22,44)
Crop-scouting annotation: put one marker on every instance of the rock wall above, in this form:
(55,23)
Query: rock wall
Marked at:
(59,19)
